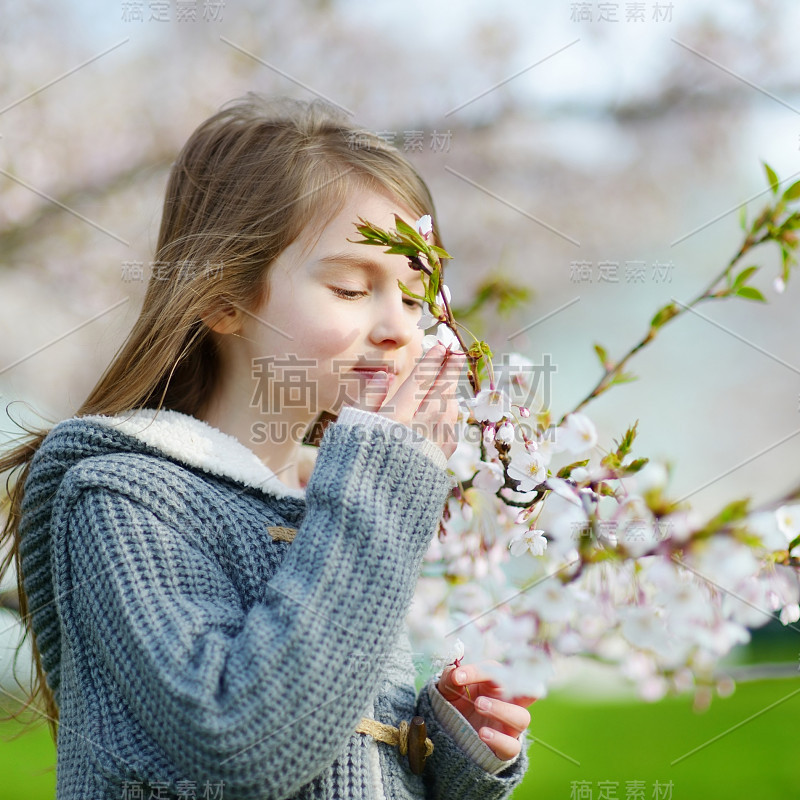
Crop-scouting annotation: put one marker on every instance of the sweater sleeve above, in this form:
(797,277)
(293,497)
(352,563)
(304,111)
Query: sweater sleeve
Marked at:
(393,429)
(451,728)
(463,734)
(462,767)
(263,699)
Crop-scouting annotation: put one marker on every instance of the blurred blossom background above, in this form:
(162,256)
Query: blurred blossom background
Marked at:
(595,152)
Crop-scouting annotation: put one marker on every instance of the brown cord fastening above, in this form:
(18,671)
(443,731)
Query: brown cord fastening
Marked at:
(280,533)
(408,738)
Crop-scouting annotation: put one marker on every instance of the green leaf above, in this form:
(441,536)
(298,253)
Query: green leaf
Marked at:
(664,315)
(635,465)
(625,444)
(373,232)
(440,252)
(792,222)
(403,227)
(751,293)
(495,288)
(772,178)
(623,377)
(793,192)
(435,279)
(565,472)
(601,354)
(402,250)
(743,277)
(733,512)
(786,261)
(743,217)
(409,234)
(405,290)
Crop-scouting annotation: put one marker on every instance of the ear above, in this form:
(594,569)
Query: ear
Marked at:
(225,320)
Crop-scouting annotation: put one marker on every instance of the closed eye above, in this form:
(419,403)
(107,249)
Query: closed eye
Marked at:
(354,294)
(347,294)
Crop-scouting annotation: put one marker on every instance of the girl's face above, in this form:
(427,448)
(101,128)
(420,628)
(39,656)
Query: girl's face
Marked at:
(346,316)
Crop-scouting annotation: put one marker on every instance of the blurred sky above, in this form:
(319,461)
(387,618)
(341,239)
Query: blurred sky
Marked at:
(572,138)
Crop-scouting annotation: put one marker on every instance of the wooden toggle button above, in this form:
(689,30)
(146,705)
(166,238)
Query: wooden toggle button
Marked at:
(416,745)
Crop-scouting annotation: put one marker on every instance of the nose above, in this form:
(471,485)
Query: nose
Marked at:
(393,325)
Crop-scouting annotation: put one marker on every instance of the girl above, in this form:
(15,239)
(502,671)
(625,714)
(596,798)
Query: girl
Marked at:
(210,617)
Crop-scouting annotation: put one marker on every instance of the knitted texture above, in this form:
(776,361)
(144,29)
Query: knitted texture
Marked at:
(188,649)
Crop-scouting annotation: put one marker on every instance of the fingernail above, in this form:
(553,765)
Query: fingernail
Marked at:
(487,735)
(461,676)
(483,704)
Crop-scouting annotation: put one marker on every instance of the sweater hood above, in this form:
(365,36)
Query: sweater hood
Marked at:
(170,434)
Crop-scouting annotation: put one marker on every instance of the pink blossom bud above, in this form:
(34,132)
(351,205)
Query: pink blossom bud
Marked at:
(424,226)
(524,412)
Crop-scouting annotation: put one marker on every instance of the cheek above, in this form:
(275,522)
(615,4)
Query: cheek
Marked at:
(322,335)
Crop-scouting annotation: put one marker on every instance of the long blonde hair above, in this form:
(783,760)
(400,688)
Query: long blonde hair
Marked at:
(245,185)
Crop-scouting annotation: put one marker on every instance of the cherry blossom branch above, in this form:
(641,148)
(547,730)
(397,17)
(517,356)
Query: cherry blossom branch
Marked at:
(413,243)
(775,223)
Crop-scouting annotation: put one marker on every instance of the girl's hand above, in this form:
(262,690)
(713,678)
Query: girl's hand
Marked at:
(426,400)
(477,698)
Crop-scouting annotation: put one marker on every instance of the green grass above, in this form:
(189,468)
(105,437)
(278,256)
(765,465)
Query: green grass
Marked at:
(611,741)
(27,763)
(734,759)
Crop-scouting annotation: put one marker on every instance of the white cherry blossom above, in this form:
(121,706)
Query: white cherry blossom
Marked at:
(489,477)
(453,652)
(790,613)
(505,433)
(528,469)
(424,226)
(445,336)
(789,521)
(530,541)
(578,434)
(490,405)
(664,621)
(527,675)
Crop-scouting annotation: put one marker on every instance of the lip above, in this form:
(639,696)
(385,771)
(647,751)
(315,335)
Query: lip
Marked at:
(367,373)
(373,368)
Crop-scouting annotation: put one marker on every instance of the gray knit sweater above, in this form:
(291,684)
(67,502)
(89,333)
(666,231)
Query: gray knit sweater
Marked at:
(193,655)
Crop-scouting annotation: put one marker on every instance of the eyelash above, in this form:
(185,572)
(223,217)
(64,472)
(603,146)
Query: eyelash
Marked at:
(354,294)
(347,294)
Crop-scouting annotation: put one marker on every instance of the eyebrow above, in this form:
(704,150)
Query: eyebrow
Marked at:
(363,263)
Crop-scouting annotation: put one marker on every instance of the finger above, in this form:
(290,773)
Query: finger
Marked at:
(448,687)
(407,399)
(446,432)
(524,700)
(503,746)
(443,389)
(510,718)
(469,674)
